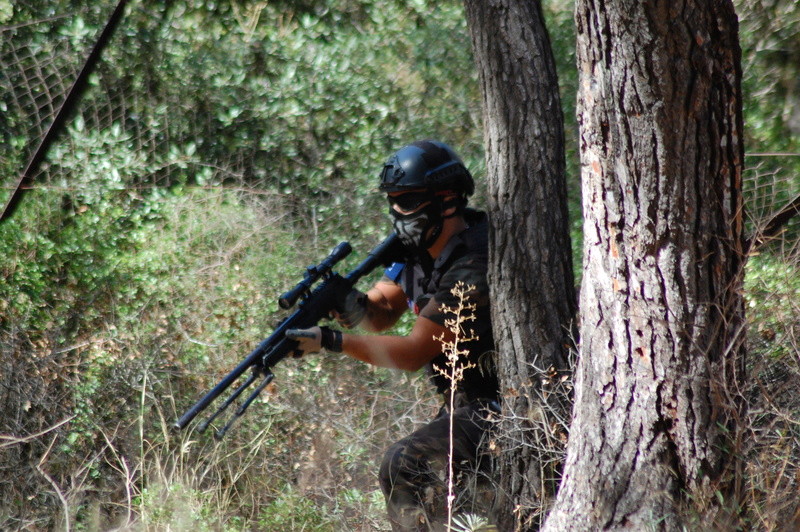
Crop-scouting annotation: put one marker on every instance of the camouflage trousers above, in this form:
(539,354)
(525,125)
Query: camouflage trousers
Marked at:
(413,475)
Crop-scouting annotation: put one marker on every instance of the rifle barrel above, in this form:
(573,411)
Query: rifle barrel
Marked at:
(315,306)
(384,253)
(253,358)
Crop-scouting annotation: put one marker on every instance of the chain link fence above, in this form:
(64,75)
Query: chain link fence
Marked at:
(154,114)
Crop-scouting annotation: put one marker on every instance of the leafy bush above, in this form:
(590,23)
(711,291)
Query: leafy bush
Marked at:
(220,148)
(773,296)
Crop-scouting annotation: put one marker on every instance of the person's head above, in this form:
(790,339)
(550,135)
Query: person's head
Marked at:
(426,183)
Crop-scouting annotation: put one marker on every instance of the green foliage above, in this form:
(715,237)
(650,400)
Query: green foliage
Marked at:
(63,265)
(178,507)
(155,291)
(771,84)
(771,65)
(220,148)
(293,511)
(6,11)
(305,101)
(772,288)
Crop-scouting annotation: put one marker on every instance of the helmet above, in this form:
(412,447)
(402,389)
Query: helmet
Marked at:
(427,164)
(435,169)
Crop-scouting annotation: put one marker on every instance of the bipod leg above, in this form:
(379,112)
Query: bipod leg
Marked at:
(268,376)
(246,384)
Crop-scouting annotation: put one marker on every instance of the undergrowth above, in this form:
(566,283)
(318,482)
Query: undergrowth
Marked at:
(99,363)
(86,443)
(88,402)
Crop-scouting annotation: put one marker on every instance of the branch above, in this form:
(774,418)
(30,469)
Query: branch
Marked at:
(8,441)
(776,223)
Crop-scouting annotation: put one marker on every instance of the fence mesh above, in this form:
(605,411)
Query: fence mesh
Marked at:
(133,129)
(151,136)
(130,113)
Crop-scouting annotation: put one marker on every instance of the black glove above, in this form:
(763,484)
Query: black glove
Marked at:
(313,339)
(354,308)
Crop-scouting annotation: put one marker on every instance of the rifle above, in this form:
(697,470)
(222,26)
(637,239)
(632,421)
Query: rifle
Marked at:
(316,304)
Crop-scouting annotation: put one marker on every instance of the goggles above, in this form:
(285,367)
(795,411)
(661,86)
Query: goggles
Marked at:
(410,201)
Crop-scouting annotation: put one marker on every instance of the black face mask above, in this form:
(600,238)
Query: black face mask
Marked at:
(419,230)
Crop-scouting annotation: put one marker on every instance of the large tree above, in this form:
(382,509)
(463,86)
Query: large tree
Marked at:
(661,309)
(530,270)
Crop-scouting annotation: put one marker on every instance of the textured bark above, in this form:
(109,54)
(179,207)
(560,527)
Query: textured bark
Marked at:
(530,271)
(661,312)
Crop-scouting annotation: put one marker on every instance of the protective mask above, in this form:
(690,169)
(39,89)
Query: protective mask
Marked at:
(412,228)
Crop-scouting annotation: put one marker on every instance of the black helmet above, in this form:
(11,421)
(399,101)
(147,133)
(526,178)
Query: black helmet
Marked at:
(427,164)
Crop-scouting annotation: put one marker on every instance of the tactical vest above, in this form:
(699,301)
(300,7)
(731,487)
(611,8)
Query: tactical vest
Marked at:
(421,281)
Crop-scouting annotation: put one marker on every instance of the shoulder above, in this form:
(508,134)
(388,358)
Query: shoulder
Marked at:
(469,268)
(472,250)
(476,236)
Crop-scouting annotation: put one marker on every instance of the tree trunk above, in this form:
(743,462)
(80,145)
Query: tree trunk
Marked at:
(530,270)
(662,318)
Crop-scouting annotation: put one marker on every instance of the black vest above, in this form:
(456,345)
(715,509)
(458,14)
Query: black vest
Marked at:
(465,255)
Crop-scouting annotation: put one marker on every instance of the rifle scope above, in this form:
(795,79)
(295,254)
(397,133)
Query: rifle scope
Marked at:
(313,273)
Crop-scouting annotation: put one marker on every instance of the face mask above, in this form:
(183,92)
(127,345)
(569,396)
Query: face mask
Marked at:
(412,228)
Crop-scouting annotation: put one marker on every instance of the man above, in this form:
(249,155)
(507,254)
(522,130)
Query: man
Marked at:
(427,187)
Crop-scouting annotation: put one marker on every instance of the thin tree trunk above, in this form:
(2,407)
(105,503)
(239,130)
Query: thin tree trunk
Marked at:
(530,271)
(661,310)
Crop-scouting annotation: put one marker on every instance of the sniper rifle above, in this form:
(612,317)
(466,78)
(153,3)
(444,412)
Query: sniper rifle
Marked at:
(314,305)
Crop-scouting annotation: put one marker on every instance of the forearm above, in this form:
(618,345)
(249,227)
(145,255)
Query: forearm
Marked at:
(376,320)
(395,352)
(401,352)
(384,307)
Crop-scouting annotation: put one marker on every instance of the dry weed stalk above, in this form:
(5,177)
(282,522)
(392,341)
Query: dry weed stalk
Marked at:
(463,313)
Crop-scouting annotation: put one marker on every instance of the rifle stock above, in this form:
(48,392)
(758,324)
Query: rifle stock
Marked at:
(316,304)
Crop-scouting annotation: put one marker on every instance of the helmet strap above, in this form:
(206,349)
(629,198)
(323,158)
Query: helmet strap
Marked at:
(459,202)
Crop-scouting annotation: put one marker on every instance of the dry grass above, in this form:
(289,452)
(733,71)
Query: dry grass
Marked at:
(85,443)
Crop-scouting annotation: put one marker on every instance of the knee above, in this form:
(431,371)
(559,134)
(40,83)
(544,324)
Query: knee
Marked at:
(391,467)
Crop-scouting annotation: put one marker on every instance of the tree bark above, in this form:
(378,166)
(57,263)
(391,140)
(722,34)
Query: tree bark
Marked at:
(530,270)
(662,317)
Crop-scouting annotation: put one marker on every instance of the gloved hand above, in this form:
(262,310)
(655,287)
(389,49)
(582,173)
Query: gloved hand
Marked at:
(313,339)
(354,308)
